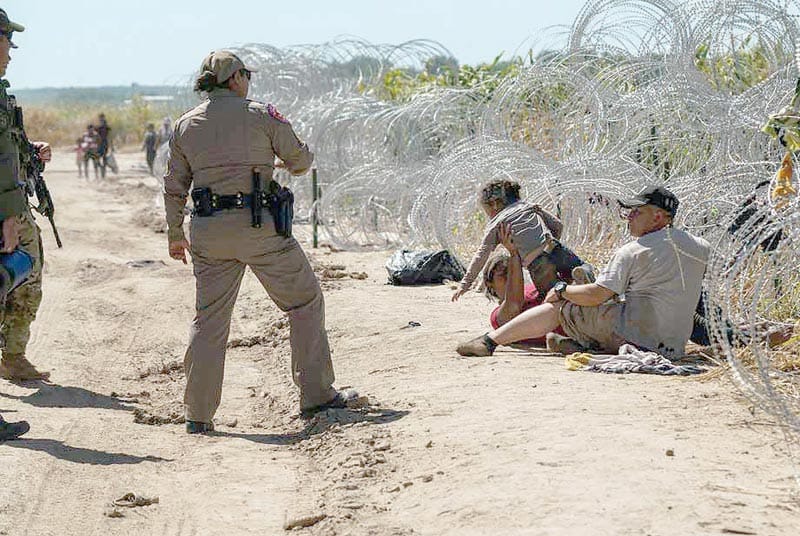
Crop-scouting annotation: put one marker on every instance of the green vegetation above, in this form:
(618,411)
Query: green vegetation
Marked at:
(401,84)
(736,72)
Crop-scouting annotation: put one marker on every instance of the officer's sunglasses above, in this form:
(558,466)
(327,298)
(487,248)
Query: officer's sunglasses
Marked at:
(8,35)
(245,73)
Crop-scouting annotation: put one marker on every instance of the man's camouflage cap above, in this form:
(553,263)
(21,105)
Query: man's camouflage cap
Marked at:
(223,64)
(8,27)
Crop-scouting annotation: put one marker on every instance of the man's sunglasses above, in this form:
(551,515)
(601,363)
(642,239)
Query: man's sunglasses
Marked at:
(247,74)
(625,212)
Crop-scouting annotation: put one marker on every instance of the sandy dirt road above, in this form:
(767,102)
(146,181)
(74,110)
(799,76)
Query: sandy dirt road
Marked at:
(514,444)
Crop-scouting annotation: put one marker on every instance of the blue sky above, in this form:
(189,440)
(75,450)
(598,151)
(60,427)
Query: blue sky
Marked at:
(113,42)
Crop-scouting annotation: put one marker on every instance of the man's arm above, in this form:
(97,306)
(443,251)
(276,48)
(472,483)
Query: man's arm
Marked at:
(590,295)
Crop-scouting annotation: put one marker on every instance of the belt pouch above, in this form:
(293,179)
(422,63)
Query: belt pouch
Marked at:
(201,197)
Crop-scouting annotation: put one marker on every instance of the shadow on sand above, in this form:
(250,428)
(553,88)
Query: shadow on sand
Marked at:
(321,422)
(50,395)
(62,451)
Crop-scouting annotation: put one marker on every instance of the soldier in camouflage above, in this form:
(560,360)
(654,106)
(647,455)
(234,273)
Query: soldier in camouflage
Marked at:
(19,228)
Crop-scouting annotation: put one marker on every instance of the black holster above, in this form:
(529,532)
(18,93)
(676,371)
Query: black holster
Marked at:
(280,202)
(203,202)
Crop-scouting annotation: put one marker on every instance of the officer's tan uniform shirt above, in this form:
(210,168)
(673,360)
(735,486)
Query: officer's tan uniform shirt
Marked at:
(217,145)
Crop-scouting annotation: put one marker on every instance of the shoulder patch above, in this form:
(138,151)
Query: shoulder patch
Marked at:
(275,114)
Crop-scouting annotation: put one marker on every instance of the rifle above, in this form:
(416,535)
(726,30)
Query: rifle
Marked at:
(34,183)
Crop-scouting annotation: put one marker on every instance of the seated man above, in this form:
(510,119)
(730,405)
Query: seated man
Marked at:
(660,275)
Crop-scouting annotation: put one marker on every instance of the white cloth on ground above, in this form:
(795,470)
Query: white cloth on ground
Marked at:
(631,359)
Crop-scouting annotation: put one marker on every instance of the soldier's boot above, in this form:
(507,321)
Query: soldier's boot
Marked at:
(17,368)
(12,430)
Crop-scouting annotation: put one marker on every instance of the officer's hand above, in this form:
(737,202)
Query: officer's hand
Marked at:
(45,153)
(177,250)
(10,235)
(460,292)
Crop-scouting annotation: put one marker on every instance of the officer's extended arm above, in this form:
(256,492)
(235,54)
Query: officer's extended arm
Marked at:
(296,155)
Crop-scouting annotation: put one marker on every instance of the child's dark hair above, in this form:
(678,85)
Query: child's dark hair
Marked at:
(497,263)
(507,192)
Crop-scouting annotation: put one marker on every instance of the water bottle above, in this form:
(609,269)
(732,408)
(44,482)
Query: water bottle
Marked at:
(15,268)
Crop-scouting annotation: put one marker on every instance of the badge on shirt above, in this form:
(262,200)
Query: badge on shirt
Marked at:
(275,114)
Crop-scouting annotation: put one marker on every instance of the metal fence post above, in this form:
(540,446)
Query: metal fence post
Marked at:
(315,198)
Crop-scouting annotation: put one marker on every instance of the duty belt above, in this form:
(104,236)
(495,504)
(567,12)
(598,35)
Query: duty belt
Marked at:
(207,202)
(278,200)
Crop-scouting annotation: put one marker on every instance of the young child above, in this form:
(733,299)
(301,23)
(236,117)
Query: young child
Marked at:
(535,233)
(79,155)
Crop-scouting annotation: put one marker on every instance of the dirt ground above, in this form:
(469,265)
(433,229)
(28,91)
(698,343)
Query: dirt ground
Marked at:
(513,444)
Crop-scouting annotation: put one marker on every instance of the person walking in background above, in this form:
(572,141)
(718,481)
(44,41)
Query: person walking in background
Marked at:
(105,146)
(89,144)
(149,145)
(79,157)
(164,131)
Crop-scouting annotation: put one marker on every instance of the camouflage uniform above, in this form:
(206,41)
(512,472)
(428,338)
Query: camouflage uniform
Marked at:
(19,309)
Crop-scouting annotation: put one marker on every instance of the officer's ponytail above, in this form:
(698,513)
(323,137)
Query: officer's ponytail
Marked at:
(205,82)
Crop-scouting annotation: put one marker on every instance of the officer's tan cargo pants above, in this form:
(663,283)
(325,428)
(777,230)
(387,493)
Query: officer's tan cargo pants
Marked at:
(221,249)
(19,310)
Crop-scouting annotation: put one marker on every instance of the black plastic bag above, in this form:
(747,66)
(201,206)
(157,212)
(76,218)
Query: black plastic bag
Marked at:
(408,267)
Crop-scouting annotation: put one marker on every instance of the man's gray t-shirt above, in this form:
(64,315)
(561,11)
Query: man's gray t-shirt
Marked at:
(660,274)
